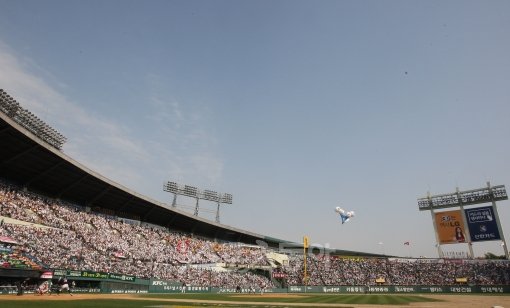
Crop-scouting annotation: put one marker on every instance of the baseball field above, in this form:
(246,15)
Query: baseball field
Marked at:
(254,300)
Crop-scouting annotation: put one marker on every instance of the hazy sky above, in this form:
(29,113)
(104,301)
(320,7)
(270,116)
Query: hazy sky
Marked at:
(293,107)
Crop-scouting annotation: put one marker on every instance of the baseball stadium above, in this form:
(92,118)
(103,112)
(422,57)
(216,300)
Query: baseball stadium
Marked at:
(71,237)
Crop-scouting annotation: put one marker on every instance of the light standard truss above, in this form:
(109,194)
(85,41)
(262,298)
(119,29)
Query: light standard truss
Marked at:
(459,198)
(489,194)
(193,192)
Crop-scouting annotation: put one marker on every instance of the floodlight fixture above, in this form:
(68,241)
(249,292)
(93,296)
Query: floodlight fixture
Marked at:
(190,191)
(226,198)
(171,187)
(462,198)
(10,107)
(210,195)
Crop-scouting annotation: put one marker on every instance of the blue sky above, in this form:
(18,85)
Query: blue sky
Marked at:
(294,107)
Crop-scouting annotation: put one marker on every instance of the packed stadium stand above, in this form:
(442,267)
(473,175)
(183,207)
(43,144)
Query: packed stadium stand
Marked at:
(78,240)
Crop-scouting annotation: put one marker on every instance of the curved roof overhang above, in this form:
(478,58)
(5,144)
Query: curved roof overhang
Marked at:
(33,164)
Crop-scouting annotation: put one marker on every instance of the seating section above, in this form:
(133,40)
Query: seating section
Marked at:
(66,236)
(54,234)
(334,270)
(15,260)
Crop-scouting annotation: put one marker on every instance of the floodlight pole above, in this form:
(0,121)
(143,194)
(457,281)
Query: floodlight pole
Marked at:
(174,202)
(218,212)
(466,226)
(305,248)
(438,243)
(498,223)
(196,208)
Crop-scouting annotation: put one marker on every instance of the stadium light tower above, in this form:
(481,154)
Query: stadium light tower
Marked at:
(479,224)
(193,192)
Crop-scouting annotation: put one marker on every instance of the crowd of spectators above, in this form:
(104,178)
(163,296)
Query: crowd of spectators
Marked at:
(75,239)
(65,236)
(334,270)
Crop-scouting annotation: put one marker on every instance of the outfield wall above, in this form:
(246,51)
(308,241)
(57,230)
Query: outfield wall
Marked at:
(107,288)
(399,289)
(99,282)
(334,289)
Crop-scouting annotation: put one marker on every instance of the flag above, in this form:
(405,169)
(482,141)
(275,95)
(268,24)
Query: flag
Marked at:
(406,243)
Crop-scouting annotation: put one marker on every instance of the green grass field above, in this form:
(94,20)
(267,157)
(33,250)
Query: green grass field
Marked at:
(211,300)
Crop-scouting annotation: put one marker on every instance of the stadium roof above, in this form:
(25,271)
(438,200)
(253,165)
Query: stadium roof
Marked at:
(35,165)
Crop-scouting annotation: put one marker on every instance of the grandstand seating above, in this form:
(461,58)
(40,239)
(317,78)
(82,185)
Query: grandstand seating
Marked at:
(78,239)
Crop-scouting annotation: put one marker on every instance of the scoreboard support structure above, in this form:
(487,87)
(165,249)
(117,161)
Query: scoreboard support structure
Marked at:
(485,219)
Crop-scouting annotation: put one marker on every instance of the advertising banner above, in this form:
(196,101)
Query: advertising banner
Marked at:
(122,277)
(46,275)
(450,227)
(93,275)
(161,286)
(462,288)
(482,224)
(8,240)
